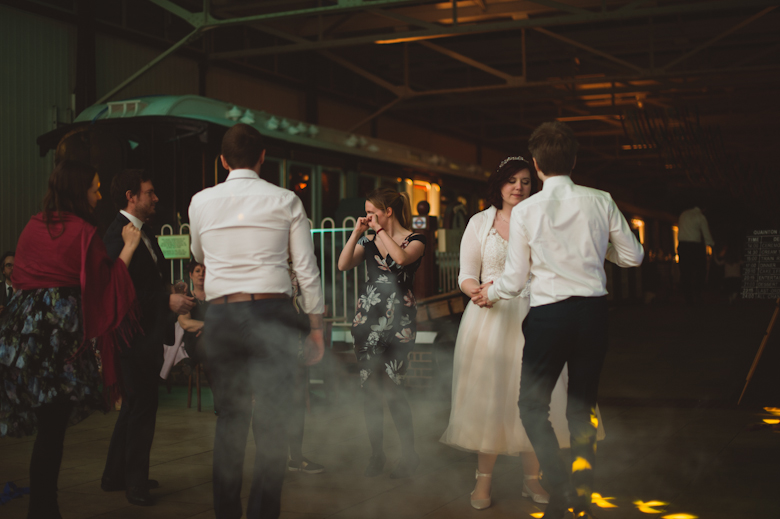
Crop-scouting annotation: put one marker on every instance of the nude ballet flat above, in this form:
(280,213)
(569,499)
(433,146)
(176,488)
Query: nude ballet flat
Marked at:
(481,504)
(527,492)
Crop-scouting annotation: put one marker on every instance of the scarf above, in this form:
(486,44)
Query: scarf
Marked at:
(78,258)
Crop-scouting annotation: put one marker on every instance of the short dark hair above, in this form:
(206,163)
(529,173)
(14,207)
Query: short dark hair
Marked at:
(6,254)
(191,266)
(505,171)
(242,146)
(127,180)
(68,186)
(554,147)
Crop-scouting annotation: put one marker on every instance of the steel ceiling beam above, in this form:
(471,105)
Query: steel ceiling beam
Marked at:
(510,79)
(589,49)
(719,37)
(459,30)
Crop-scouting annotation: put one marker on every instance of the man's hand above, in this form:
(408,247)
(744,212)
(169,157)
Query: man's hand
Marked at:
(181,304)
(313,348)
(479,296)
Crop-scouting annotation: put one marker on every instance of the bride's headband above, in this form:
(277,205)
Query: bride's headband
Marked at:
(509,159)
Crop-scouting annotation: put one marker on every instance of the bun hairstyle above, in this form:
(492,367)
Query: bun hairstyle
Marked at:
(506,170)
(384,198)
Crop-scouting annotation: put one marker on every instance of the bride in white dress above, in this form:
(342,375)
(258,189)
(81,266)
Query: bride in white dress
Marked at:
(489,349)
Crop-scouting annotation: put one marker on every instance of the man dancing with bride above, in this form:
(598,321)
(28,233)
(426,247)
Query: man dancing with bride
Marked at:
(489,348)
(561,237)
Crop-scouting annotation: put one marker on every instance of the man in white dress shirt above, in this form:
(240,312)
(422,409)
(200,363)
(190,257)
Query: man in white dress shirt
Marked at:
(693,238)
(243,231)
(561,237)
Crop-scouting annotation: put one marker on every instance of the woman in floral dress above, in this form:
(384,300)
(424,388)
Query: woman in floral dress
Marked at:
(384,327)
(68,292)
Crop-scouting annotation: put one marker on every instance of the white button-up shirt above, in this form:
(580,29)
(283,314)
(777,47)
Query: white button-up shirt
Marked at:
(693,227)
(561,236)
(244,230)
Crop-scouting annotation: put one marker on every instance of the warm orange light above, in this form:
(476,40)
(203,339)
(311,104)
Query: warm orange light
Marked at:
(538,515)
(772,421)
(649,507)
(680,516)
(675,234)
(601,502)
(580,464)
(773,410)
(639,225)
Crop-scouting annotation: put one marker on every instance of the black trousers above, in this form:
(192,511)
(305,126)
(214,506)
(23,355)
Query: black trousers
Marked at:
(693,269)
(46,459)
(572,331)
(251,351)
(131,443)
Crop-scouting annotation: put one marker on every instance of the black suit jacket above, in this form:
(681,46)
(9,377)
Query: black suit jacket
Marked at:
(152,291)
(3,292)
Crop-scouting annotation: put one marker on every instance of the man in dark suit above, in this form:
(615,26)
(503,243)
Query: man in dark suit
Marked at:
(127,464)
(6,290)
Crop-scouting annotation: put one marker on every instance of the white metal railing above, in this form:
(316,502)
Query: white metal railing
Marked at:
(448,263)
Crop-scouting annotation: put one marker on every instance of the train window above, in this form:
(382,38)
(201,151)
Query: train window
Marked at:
(299,180)
(331,191)
(270,171)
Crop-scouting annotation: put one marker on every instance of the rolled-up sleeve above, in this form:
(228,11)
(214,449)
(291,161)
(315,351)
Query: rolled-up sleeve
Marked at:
(624,250)
(195,244)
(304,262)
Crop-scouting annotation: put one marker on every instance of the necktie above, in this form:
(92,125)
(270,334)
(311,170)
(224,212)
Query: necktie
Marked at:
(10,292)
(148,241)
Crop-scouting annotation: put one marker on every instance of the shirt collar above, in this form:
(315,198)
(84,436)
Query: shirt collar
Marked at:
(242,173)
(135,221)
(556,180)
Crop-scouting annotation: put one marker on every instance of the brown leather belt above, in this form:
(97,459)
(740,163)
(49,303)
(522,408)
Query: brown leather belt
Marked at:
(240,298)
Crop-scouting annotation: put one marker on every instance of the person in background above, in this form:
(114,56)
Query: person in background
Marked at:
(693,239)
(7,290)
(561,237)
(127,462)
(68,292)
(193,321)
(385,325)
(244,231)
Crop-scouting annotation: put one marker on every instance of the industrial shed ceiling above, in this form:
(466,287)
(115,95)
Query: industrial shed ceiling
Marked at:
(662,94)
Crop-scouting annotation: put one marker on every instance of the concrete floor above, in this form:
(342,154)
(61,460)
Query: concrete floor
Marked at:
(668,395)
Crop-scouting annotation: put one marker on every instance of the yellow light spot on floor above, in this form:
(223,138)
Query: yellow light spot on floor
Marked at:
(594,420)
(773,410)
(680,516)
(771,421)
(538,515)
(650,507)
(601,502)
(580,464)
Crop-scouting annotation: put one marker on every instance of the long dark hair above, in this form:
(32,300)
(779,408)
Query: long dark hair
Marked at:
(508,168)
(68,186)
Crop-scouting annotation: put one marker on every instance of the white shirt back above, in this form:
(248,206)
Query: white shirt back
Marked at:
(561,236)
(244,230)
(693,227)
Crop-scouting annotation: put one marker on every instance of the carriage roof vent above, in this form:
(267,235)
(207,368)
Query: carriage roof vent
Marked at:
(128,108)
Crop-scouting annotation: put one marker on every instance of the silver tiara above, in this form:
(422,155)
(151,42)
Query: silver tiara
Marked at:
(503,162)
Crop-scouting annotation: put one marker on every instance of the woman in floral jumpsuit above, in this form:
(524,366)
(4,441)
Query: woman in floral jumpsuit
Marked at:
(384,327)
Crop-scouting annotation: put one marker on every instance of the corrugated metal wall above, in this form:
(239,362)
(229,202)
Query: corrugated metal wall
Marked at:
(119,59)
(38,62)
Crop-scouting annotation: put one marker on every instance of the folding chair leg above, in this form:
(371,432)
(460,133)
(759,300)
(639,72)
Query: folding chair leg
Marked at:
(189,391)
(197,383)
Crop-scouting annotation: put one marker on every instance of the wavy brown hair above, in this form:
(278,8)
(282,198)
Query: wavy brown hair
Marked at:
(68,186)
(385,197)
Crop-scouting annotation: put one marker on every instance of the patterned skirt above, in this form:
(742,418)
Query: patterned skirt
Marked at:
(40,337)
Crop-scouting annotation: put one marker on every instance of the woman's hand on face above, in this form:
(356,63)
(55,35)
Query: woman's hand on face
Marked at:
(362,225)
(131,235)
(373,223)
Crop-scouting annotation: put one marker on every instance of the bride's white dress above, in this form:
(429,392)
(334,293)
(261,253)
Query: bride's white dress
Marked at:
(486,372)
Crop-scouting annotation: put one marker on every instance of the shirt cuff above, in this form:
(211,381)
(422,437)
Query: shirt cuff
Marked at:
(492,295)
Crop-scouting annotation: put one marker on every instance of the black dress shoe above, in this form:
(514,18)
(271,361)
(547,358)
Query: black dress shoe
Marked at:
(376,465)
(152,484)
(559,505)
(139,496)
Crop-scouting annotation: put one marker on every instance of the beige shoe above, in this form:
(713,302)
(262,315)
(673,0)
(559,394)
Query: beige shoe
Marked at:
(481,504)
(527,492)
